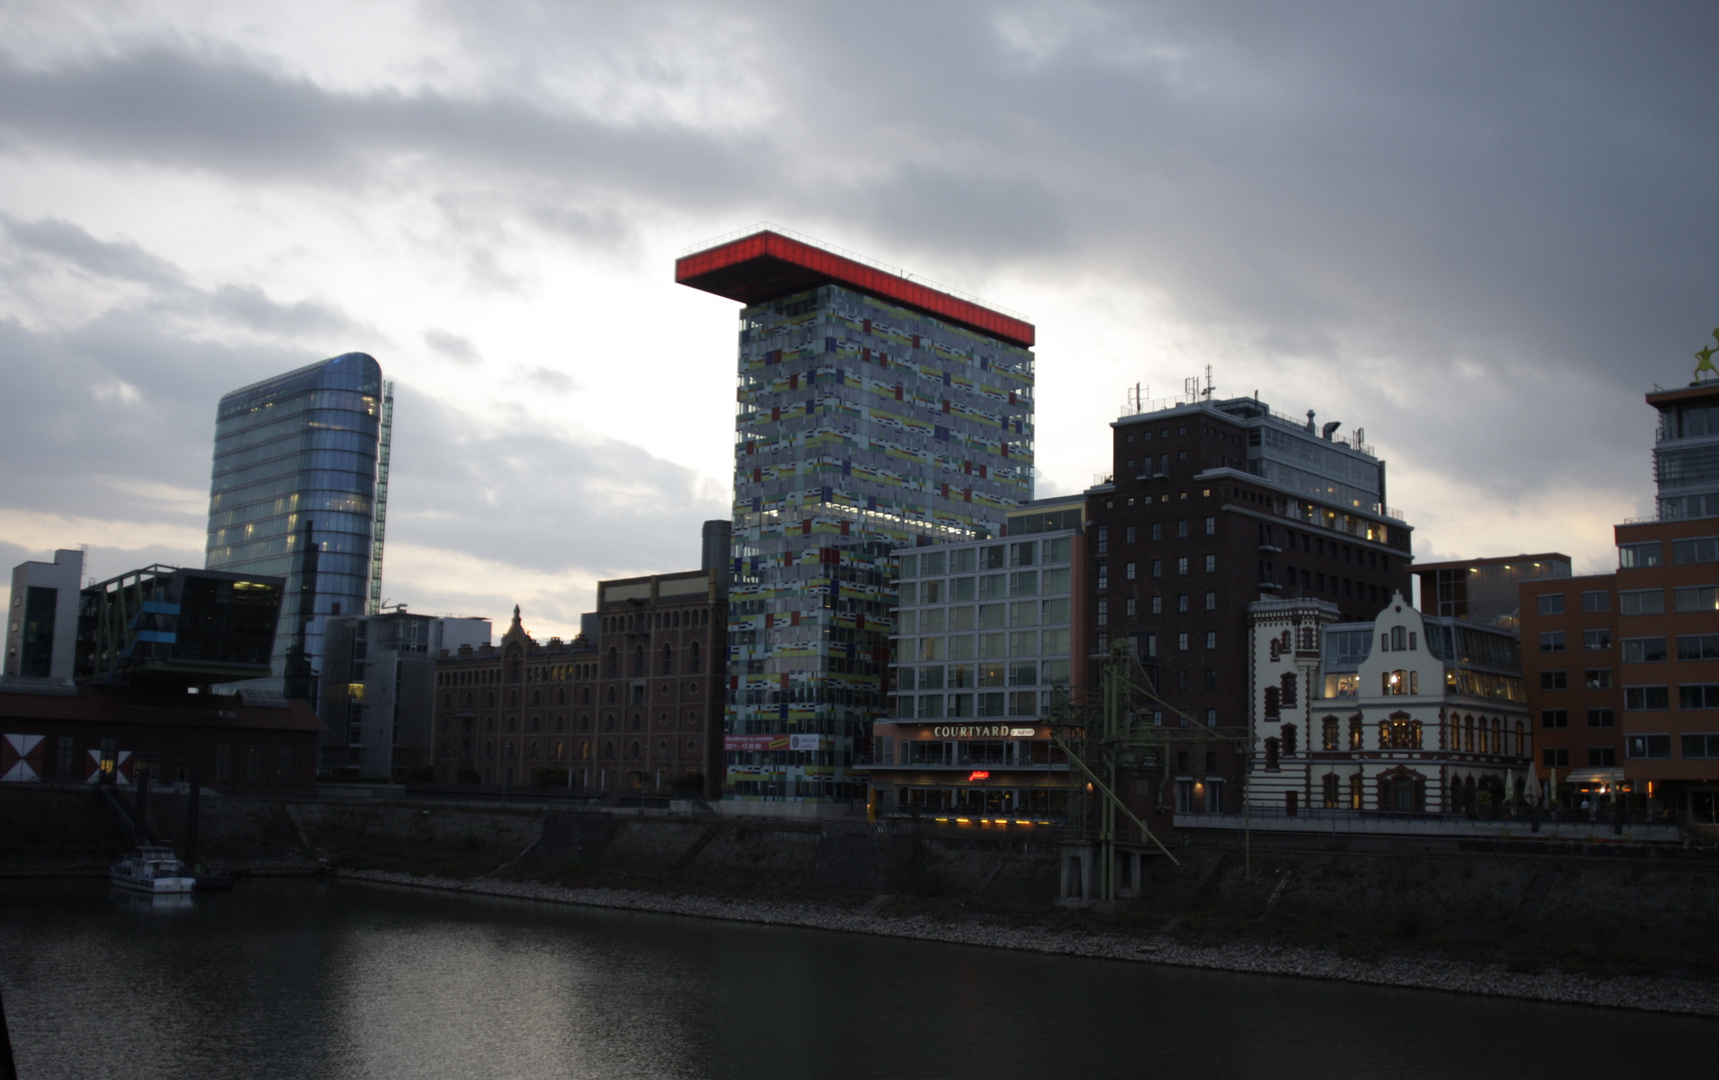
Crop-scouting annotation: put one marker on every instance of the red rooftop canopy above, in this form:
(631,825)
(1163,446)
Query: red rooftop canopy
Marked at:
(766,265)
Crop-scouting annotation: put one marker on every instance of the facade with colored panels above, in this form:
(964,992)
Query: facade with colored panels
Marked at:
(299,491)
(990,637)
(873,413)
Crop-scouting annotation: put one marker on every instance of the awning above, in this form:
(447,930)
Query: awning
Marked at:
(1595,776)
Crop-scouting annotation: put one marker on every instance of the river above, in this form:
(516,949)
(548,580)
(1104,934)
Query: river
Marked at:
(345,980)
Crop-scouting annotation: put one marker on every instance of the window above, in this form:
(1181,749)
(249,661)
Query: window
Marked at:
(1129,605)
(1696,646)
(1182,643)
(1128,534)
(1642,602)
(1182,528)
(1646,698)
(1103,611)
(1698,598)
(1597,679)
(1698,696)
(1553,680)
(1182,565)
(1697,550)
(1644,650)
(1596,639)
(1328,734)
(1103,539)
(1157,605)
(1602,757)
(1601,718)
(1128,571)
(1647,746)
(1211,601)
(1182,602)
(1551,603)
(1211,564)
(1636,556)
(1701,746)
(1211,639)
(1555,757)
(1554,718)
(1552,640)
(1157,567)
(1211,526)
(1596,601)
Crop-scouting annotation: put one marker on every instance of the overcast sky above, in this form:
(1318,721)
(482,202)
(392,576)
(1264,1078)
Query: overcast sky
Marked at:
(1479,231)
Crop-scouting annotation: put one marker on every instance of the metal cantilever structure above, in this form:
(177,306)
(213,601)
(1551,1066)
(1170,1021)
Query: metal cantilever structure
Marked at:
(1115,737)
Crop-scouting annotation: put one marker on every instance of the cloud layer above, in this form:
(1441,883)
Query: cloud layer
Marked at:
(1481,233)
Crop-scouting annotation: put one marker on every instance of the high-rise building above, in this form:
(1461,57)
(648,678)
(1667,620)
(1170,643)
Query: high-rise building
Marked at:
(874,411)
(1213,505)
(299,491)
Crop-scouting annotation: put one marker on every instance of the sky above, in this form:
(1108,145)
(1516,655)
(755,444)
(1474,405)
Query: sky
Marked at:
(1478,231)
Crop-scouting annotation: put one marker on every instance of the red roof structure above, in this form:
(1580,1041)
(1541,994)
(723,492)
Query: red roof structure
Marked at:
(766,264)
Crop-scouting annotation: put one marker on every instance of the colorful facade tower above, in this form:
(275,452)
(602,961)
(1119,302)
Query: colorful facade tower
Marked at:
(874,411)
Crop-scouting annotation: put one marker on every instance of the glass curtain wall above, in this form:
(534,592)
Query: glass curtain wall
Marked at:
(294,494)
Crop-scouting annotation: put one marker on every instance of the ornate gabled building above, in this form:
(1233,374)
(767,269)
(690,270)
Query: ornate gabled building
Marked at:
(1409,713)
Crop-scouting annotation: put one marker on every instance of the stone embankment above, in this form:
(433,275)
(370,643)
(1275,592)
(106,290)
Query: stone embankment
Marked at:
(1652,993)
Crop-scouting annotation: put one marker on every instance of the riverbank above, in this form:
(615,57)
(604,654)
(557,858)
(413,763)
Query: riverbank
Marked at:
(1650,993)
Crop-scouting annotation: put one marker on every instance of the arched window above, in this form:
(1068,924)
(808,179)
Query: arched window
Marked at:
(468,699)
(561,696)
(1521,740)
(638,661)
(1272,700)
(1497,735)
(531,750)
(638,721)
(536,723)
(610,699)
(513,698)
(668,659)
(614,662)
(1468,733)
(585,695)
(489,698)
(692,658)
(1289,691)
(1289,740)
(1271,746)
(609,749)
(1328,735)
(634,754)
(1356,738)
(537,697)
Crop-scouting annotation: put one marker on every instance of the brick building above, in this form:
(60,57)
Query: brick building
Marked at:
(632,706)
(232,742)
(1623,668)
(1212,505)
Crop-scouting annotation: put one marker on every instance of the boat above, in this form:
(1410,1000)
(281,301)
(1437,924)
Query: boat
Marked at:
(152,870)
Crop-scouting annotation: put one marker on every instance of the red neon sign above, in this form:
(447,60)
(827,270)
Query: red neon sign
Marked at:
(979,775)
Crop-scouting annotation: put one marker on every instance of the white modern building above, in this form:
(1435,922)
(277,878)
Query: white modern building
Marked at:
(42,618)
(1407,714)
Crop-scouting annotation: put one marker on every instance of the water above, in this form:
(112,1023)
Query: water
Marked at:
(346,980)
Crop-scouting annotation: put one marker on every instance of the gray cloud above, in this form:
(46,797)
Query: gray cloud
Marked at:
(538,498)
(1481,232)
(451,345)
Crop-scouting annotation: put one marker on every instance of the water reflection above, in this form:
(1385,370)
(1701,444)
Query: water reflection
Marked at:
(307,980)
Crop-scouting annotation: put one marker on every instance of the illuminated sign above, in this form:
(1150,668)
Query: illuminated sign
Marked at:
(981,731)
(980,774)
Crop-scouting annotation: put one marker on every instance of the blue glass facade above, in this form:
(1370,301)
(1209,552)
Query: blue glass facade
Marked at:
(294,494)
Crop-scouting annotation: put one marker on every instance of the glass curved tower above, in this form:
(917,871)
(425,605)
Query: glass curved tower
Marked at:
(298,491)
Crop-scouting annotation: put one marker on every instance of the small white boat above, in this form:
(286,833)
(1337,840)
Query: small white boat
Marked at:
(152,870)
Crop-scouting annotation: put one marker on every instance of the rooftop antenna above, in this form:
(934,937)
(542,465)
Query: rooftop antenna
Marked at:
(1137,396)
(1208,391)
